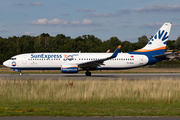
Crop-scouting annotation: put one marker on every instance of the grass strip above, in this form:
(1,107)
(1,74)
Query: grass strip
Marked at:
(158,97)
(89,109)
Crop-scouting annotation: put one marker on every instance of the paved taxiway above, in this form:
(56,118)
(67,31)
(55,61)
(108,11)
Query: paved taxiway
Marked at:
(128,76)
(89,118)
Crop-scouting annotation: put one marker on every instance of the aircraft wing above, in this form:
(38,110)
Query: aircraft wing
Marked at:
(96,63)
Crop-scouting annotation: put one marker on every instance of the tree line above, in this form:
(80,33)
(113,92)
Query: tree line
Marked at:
(60,43)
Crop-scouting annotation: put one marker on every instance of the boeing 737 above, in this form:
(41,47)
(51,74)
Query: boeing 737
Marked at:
(73,62)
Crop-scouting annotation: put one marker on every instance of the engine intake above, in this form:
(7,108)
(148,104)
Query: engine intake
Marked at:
(69,69)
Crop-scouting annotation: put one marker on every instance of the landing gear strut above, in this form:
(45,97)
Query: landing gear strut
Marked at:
(88,73)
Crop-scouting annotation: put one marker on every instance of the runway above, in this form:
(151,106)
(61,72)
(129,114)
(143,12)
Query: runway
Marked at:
(126,76)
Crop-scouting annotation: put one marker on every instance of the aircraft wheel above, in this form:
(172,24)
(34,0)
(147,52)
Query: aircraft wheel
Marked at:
(88,73)
(20,74)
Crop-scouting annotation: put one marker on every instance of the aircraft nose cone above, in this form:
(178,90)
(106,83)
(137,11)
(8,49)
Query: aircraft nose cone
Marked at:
(6,63)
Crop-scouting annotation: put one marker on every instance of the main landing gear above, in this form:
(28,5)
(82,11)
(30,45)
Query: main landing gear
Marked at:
(88,73)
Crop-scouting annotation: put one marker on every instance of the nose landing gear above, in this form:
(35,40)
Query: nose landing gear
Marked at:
(18,70)
(20,74)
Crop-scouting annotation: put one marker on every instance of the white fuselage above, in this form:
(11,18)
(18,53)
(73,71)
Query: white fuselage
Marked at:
(43,61)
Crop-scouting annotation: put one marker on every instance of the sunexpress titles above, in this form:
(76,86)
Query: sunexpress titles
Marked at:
(46,56)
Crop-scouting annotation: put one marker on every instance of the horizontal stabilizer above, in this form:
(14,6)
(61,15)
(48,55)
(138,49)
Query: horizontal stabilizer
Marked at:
(162,55)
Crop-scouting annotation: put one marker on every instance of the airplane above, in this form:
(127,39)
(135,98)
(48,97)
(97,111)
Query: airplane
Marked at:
(74,62)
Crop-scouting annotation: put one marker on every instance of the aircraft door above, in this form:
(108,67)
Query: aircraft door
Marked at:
(141,61)
(24,59)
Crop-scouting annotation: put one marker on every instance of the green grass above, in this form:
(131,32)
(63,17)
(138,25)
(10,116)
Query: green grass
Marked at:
(158,97)
(90,109)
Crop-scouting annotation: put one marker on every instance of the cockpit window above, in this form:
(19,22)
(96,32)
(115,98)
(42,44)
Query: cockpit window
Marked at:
(13,58)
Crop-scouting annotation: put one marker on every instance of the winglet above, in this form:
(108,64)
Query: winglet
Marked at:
(116,52)
(108,51)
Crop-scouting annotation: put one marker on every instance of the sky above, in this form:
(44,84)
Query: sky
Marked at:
(125,19)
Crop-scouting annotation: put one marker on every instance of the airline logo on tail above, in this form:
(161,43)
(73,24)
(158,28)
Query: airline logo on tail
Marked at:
(160,36)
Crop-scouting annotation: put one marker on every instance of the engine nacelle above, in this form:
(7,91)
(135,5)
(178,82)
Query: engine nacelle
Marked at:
(69,69)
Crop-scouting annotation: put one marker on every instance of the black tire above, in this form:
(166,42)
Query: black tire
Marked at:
(88,73)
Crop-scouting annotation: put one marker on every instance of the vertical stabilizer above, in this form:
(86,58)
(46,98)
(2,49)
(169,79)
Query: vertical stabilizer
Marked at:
(159,41)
